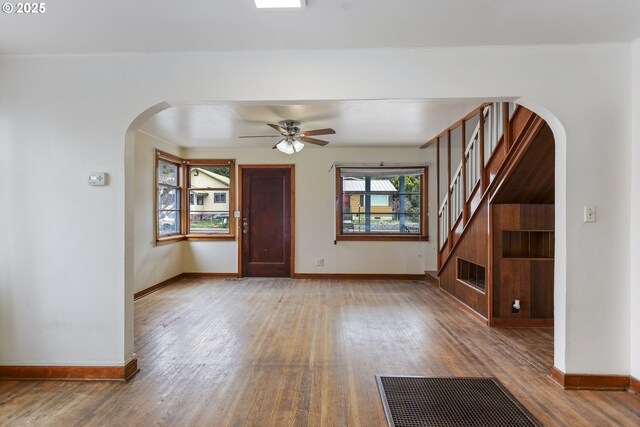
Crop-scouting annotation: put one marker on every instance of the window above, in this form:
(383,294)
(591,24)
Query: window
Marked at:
(210,182)
(195,199)
(220,198)
(381,203)
(168,196)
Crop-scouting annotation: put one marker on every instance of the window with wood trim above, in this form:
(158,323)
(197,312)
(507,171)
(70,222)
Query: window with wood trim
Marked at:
(168,196)
(210,183)
(381,203)
(195,199)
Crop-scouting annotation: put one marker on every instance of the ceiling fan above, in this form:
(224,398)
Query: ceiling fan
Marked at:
(293,137)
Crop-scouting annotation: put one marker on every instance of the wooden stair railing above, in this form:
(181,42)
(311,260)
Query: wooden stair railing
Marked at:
(500,129)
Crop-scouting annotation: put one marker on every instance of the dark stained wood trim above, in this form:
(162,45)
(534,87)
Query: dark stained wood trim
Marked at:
(211,275)
(463,174)
(450,221)
(483,166)
(634,386)
(210,237)
(590,382)
(489,277)
(506,126)
(473,288)
(456,124)
(69,373)
(292,232)
(437,218)
(557,375)
(424,209)
(358,276)
(465,307)
(167,156)
(432,277)
(154,288)
(521,323)
(169,240)
(130,369)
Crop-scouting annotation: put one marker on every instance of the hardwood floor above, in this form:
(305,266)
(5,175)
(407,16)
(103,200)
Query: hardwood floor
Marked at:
(283,352)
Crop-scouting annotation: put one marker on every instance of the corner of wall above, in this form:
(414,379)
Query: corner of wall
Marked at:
(634,253)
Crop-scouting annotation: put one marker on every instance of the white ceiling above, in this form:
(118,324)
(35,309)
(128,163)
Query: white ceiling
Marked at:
(114,26)
(369,123)
(109,26)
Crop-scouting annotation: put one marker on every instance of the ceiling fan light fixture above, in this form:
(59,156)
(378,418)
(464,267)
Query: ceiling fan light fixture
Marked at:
(290,147)
(279,4)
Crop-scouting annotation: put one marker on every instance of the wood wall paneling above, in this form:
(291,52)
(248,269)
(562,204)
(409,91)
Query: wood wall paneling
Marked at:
(474,249)
(517,273)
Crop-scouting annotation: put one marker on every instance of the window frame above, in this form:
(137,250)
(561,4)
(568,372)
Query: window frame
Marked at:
(424,210)
(184,199)
(168,158)
(231,164)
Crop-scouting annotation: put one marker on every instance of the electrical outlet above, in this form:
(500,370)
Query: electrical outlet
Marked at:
(319,262)
(589,213)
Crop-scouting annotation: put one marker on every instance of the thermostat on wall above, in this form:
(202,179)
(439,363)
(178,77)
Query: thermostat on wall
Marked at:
(98,178)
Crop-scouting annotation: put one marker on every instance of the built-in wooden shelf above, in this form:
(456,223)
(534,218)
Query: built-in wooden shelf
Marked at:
(526,244)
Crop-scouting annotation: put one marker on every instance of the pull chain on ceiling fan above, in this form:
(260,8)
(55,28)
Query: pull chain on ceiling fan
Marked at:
(293,137)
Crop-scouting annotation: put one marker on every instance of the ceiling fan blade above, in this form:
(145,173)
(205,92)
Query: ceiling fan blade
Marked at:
(327,131)
(260,136)
(277,127)
(312,140)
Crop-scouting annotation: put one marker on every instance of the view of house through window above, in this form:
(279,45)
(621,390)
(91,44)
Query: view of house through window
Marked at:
(168,198)
(382,201)
(210,185)
(194,198)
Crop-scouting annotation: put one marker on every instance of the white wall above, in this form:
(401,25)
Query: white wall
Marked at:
(152,264)
(634,260)
(66,293)
(315,219)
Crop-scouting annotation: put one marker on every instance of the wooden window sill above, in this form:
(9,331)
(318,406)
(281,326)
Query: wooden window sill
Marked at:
(209,237)
(168,240)
(194,238)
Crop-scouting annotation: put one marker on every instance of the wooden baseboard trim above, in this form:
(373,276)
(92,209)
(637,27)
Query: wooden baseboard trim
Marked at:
(432,277)
(154,288)
(69,373)
(590,382)
(211,275)
(634,386)
(357,276)
(522,323)
(465,307)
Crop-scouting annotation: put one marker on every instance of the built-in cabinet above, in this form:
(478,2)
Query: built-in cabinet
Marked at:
(523,250)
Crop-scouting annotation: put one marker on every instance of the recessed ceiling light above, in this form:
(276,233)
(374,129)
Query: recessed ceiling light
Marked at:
(274,4)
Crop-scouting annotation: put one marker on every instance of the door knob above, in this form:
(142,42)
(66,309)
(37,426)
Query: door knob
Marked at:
(245,225)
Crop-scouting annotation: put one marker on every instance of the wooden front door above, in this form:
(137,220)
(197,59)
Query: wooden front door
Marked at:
(266,218)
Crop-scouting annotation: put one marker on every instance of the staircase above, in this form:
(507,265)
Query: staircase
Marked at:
(495,214)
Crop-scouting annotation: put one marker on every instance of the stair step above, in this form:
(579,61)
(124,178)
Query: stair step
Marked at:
(432,277)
